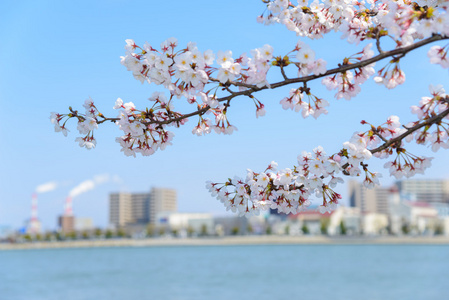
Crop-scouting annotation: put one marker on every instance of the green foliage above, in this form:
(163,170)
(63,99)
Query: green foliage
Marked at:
(439,229)
(85,235)
(305,229)
(109,234)
(28,237)
(48,236)
(269,231)
(121,233)
(343,228)
(204,230)
(405,229)
(151,229)
(235,231)
(190,231)
(324,225)
(98,232)
(59,236)
(287,230)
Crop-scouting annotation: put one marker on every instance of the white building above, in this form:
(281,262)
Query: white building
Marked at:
(416,217)
(424,190)
(196,223)
(310,219)
(350,216)
(83,224)
(374,224)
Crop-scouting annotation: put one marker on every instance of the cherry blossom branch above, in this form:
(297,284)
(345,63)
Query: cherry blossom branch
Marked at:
(346,67)
(252,88)
(429,122)
(151,123)
(287,81)
(289,190)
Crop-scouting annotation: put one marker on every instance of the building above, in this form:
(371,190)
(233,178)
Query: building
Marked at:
(312,219)
(140,208)
(411,216)
(349,216)
(120,209)
(232,225)
(67,223)
(161,200)
(327,223)
(190,223)
(424,190)
(368,200)
(129,209)
(375,223)
(84,224)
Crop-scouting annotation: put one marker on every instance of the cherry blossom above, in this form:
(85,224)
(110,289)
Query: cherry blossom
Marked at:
(208,81)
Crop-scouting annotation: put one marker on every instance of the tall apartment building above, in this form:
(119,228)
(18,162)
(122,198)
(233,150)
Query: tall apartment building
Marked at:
(120,212)
(161,200)
(140,208)
(424,190)
(368,200)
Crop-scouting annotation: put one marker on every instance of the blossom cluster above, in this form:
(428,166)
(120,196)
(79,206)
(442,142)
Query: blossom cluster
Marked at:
(302,100)
(87,123)
(317,174)
(289,190)
(142,130)
(185,72)
(348,83)
(429,107)
(405,163)
(286,190)
(359,20)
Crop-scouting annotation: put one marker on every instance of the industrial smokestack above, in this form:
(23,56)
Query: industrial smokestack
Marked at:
(34,224)
(68,207)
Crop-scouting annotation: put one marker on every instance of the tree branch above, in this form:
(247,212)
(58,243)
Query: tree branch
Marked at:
(433,120)
(287,81)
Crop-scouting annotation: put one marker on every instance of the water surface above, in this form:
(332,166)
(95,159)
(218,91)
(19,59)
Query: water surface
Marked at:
(227,272)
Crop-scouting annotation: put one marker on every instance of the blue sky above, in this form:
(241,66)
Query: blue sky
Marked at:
(58,53)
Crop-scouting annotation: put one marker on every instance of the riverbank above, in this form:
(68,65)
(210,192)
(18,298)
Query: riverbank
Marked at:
(231,241)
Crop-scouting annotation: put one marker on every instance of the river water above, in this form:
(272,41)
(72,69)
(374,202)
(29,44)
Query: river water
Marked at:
(227,272)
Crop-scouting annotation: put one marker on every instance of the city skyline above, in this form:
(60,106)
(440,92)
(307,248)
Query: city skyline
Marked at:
(367,200)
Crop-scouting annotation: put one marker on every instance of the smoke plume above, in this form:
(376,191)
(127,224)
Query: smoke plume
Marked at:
(46,187)
(90,184)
